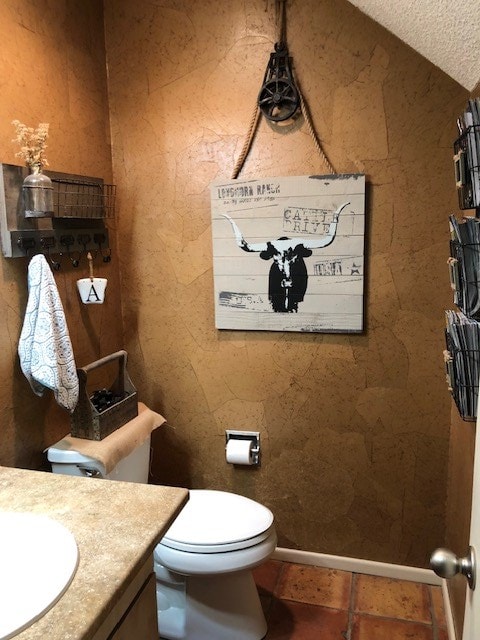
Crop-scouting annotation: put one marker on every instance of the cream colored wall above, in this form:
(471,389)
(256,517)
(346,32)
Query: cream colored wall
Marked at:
(52,69)
(354,427)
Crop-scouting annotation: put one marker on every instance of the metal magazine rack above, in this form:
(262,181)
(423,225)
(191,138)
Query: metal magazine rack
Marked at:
(467,167)
(462,355)
(462,367)
(464,268)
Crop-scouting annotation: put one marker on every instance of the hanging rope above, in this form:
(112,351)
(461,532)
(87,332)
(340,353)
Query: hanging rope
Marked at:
(311,129)
(281,20)
(280,17)
(248,142)
(253,128)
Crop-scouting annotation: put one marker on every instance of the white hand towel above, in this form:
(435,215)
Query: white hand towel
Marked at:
(45,350)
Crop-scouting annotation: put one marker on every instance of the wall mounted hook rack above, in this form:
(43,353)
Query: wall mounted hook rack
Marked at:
(82,205)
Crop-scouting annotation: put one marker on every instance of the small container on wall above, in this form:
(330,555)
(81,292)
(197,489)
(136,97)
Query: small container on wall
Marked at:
(91,290)
(37,194)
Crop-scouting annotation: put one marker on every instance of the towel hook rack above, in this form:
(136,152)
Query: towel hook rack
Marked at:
(82,206)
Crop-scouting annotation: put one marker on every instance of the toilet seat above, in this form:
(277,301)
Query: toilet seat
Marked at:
(210,564)
(218,548)
(218,522)
(217,532)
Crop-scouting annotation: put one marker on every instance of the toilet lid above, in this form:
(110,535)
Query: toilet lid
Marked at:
(215,518)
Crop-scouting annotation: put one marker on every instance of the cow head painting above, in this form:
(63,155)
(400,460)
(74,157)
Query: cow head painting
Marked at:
(288,278)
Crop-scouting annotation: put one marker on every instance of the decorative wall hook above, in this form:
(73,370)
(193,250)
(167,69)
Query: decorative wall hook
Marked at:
(99,239)
(47,243)
(68,241)
(84,239)
(26,245)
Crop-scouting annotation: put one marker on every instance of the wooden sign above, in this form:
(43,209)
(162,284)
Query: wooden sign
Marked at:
(288,253)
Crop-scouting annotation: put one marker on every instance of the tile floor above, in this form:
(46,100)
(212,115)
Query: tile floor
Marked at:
(302,602)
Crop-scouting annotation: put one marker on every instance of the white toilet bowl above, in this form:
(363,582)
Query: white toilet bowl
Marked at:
(205,589)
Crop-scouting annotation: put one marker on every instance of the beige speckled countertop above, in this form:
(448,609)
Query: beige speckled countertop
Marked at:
(116,526)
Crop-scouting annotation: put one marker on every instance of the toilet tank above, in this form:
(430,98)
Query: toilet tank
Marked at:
(133,468)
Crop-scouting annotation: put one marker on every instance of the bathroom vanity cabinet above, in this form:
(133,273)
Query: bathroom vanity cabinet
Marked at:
(135,615)
(116,526)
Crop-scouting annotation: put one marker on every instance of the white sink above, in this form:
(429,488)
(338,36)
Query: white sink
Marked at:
(38,559)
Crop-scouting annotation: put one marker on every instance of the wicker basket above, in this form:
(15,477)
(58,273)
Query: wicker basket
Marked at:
(86,421)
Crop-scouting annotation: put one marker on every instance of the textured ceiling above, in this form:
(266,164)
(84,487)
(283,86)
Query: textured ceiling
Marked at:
(446,32)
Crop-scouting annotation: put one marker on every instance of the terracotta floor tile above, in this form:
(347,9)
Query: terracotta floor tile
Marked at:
(443,634)
(371,628)
(438,607)
(315,585)
(298,621)
(392,598)
(266,576)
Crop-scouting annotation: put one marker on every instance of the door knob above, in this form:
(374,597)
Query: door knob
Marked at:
(446,565)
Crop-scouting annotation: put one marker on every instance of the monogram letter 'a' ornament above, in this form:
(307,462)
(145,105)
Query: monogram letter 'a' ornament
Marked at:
(92,291)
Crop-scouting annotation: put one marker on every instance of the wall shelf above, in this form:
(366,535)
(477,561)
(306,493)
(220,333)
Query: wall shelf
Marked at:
(81,206)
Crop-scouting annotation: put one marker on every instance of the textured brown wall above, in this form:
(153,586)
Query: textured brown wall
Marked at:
(52,66)
(354,428)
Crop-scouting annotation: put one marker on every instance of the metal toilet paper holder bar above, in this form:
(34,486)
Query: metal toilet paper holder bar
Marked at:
(254,436)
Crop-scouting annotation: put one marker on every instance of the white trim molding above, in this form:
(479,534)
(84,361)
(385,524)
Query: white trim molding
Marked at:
(356,565)
(448,612)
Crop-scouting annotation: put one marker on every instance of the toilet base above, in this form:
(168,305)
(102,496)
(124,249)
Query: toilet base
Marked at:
(219,607)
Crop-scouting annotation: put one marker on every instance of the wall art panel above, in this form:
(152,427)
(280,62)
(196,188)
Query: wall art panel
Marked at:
(288,253)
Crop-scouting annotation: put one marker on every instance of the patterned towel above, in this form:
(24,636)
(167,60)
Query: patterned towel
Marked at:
(45,350)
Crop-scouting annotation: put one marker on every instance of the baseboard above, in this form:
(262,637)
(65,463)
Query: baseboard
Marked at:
(357,565)
(448,612)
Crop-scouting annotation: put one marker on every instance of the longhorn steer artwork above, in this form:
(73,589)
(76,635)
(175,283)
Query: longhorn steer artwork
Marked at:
(288,278)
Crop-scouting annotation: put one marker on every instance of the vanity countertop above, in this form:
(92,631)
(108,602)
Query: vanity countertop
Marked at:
(116,526)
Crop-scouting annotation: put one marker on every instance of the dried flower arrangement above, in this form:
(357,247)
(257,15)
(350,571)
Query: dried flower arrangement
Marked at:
(33,143)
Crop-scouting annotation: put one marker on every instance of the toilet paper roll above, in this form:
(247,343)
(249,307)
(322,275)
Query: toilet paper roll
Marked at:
(239,451)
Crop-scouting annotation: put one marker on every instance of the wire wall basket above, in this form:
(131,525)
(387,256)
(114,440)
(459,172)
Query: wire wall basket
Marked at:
(464,269)
(461,366)
(83,199)
(467,168)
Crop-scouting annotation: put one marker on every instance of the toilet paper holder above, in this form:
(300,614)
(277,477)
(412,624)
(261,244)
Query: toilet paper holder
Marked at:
(254,436)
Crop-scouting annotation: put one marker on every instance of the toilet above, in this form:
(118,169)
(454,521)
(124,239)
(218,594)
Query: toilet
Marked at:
(205,588)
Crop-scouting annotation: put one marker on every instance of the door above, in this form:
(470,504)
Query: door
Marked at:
(463,527)
(471,625)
